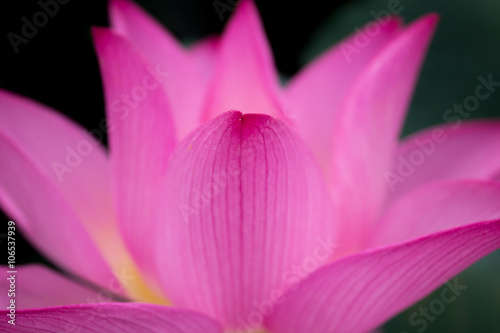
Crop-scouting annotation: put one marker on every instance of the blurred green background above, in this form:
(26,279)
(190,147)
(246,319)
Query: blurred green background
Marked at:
(58,67)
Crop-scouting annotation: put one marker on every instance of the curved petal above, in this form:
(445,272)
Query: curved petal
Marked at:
(367,128)
(142,137)
(244,78)
(112,318)
(184,85)
(54,184)
(40,286)
(447,151)
(359,292)
(243,205)
(313,96)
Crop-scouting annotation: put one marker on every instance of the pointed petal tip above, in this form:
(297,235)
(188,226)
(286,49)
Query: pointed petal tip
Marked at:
(395,21)
(120,5)
(421,31)
(432,16)
(246,5)
(104,38)
(244,52)
(118,10)
(100,33)
(427,22)
(117,3)
(246,11)
(101,37)
(95,31)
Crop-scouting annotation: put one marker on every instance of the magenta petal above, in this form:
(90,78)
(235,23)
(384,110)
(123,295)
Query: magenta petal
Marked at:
(204,55)
(54,183)
(244,202)
(110,318)
(142,137)
(359,292)
(40,286)
(435,207)
(244,78)
(447,151)
(367,128)
(184,84)
(314,95)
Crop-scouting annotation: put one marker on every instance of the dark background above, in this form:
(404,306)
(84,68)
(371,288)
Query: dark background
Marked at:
(58,67)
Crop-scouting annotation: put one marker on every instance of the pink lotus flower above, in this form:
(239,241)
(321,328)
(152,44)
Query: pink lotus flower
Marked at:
(289,215)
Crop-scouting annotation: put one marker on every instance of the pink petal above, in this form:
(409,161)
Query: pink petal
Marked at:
(435,207)
(447,151)
(314,95)
(184,85)
(243,203)
(39,286)
(204,55)
(110,317)
(367,128)
(360,292)
(244,78)
(141,140)
(55,185)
